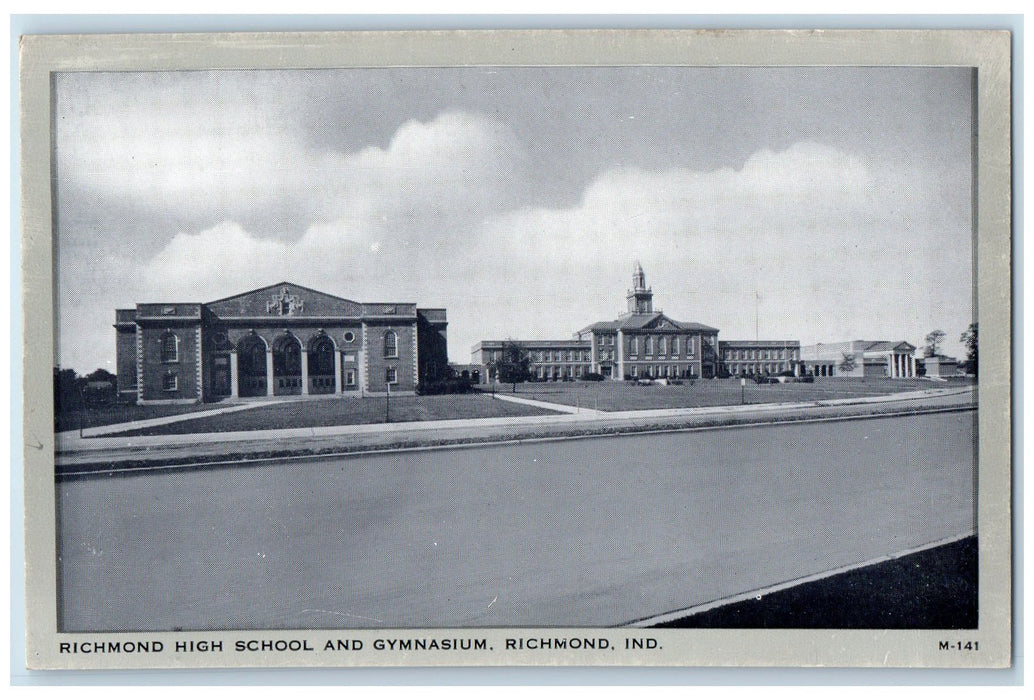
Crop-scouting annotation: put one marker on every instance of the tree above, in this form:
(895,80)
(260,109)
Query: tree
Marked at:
(102,375)
(849,363)
(66,390)
(969,339)
(514,365)
(933,343)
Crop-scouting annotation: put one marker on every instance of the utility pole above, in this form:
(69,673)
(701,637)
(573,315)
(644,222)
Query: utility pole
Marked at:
(757,302)
(82,408)
(387,403)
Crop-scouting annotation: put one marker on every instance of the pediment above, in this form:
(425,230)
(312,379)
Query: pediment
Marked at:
(662,323)
(284,300)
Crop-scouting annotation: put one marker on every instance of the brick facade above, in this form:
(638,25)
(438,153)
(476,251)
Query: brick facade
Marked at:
(281,340)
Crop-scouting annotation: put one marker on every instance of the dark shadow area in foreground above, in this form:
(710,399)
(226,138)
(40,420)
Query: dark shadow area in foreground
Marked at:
(933,589)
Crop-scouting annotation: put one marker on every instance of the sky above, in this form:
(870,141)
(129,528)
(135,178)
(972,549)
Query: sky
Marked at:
(821,204)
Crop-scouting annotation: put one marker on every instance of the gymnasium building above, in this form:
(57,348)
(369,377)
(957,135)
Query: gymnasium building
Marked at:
(281,340)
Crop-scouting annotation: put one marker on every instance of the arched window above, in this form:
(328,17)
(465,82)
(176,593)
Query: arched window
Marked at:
(321,356)
(391,344)
(287,356)
(170,347)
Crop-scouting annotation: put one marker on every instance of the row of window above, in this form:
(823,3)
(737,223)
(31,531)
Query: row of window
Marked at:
(661,345)
(658,344)
(662,371)
(758,368)
(561,371)
(761,354)
(546,356)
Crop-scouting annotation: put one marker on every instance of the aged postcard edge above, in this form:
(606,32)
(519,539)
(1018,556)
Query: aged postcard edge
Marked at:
(988,51)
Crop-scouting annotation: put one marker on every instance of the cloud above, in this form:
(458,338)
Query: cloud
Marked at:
(837,246)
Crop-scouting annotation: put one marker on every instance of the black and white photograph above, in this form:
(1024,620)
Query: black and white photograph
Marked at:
(542,361)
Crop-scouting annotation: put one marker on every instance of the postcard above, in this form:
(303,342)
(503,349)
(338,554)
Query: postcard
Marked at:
(640,348)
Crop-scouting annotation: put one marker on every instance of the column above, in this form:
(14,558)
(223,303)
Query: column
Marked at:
(305,372)
(621,356)
(337,371)
(890,366)
(234,391)
(269,371)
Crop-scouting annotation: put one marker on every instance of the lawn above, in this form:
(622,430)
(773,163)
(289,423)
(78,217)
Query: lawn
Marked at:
(346,411)
(628,396)
(932,589)
(95,416)
(604,396)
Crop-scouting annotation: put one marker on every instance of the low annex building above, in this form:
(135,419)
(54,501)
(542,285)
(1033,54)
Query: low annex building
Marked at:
(280,340)
(860,358)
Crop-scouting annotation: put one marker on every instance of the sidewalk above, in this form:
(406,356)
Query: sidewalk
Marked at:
(562,408)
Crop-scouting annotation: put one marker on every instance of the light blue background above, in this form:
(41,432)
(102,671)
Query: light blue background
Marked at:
(103,24)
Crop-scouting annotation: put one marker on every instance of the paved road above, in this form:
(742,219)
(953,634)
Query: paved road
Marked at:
(580,532)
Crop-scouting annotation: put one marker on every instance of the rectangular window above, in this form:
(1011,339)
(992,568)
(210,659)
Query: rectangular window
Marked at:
(391,375)
(349,377)
(170,382)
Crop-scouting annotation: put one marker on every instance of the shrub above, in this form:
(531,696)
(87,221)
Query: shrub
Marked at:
(592,377)
(454,385)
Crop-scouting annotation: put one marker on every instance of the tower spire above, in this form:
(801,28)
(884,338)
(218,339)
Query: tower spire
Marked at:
(638,277)
(640,297)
